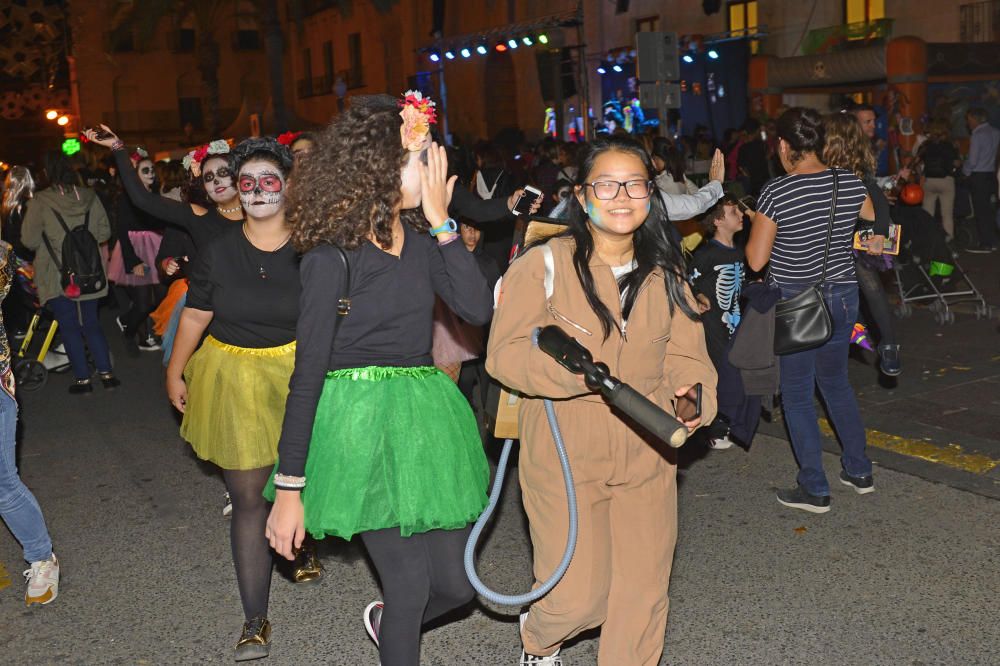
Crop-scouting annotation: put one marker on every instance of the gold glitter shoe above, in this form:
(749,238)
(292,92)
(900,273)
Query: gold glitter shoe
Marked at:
(255,643)
(308,568)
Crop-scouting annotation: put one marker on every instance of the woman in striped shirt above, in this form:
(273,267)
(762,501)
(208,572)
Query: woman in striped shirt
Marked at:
(790,232)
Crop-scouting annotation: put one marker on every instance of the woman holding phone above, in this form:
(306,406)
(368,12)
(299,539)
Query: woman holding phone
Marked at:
(618,286)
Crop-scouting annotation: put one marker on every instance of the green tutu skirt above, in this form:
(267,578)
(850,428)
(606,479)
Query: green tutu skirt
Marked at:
(392,447)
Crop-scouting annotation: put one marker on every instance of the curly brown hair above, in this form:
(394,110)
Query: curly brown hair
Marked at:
(847,147)
(349,186)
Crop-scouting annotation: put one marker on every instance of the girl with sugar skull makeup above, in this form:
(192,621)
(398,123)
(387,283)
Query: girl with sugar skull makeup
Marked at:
(133,260)
(244,293)
(376,441)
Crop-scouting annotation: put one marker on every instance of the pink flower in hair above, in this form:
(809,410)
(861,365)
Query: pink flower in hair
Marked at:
(418,113)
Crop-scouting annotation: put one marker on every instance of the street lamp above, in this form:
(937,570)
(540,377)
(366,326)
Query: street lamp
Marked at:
(51,114)
(713,54)
(63,121)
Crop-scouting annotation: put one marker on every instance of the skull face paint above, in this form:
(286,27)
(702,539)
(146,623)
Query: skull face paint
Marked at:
(218,178)
(262,189)
(146,173)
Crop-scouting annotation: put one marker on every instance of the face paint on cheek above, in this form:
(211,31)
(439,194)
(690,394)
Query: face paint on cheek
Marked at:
(594,214)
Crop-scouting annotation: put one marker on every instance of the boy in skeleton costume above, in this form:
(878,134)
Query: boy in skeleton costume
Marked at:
(717,273)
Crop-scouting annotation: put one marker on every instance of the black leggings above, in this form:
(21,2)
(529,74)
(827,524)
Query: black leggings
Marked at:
(422,578)
(251,550)
(870,284)
(144,301)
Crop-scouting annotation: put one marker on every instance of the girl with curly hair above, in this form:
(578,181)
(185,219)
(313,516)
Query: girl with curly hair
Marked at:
(615,269)
(847,147)
(377,441)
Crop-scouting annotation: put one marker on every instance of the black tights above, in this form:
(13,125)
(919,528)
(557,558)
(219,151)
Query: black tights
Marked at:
(870,284)
(422,578)
(144,300)
(251,551)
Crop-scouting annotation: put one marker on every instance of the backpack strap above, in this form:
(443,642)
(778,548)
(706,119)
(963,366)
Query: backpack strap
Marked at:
(61,221)
(52,252)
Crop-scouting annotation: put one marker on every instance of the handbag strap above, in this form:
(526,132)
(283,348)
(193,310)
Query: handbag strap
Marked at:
(344,302)
(829,228)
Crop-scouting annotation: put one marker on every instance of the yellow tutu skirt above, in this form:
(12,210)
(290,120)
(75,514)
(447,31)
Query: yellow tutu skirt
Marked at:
(236,402)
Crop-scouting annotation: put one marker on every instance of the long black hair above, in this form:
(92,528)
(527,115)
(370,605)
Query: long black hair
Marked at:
(654,244)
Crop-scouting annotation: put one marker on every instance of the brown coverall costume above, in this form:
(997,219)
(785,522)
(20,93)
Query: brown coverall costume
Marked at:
(626,488)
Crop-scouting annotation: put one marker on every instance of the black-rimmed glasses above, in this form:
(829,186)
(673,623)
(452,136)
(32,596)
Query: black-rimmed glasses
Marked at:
(609,189)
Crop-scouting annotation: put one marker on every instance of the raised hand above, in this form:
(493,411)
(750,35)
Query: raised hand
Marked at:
(718,169)
(435,186)
(105,137)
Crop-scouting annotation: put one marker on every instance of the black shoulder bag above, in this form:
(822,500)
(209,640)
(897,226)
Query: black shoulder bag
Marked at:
(344,302)
(803,321)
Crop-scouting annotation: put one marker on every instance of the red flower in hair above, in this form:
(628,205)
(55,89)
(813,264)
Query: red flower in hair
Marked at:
(288,138)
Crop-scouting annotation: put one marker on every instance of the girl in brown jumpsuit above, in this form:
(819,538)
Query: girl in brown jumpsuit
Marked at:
(616,282)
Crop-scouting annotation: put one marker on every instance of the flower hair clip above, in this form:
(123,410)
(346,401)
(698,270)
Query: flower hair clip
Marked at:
(192,161)
(418,113)
(288,138)
(138,155)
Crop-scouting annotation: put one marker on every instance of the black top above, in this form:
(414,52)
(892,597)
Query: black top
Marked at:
(939,158)
(203,228)
(390,323)
(717,271)
(129,218)
(249,310)
(752,159)
(177,243)
(11,232)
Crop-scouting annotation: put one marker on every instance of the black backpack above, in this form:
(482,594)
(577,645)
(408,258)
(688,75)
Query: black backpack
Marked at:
(81,265)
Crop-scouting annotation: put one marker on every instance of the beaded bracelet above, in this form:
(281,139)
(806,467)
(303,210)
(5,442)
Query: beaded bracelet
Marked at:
(118,145)
(286,482)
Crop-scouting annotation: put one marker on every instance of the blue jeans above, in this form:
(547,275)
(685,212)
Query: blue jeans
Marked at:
(826,366)
(18,507)
(78,321)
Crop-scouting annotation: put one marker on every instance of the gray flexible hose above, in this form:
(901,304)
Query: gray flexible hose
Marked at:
(477,529)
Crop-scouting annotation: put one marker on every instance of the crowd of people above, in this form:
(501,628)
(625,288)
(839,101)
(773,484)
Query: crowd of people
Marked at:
(330,310)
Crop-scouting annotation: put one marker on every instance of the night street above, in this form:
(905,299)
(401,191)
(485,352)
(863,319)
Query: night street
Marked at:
(906,575)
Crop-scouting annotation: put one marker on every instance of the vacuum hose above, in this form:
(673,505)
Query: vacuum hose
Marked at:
(574,357)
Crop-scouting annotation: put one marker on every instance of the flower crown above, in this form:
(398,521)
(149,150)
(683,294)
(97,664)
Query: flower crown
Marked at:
(288,138)
(192,161)
(138,155)
(418,113)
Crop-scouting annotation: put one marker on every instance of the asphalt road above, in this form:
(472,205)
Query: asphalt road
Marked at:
(907,575)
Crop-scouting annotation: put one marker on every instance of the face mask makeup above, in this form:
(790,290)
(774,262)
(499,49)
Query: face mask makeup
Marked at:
(146,173)
(262,189)
(218,180)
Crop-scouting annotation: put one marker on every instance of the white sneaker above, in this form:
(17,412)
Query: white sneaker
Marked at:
(43,582)
(373,620)
(721,444)
(533,660)
(227,509)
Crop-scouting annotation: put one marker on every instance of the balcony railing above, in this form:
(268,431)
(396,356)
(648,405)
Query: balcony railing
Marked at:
(318,85)
(839,37)
(980,21)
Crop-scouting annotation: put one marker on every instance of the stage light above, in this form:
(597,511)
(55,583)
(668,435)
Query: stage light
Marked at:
(713,54)
(465,52)
(543,38)
(501,47)
(617,68)
(601,70)
(512,43)
(63,121)
(481,49)
(51,114)
(527,40)
(449,54)
(688,58)
(435,56)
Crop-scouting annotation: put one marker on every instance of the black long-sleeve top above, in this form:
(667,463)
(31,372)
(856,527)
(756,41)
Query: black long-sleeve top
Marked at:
(390,323)
(129,218)
(177,243)
(249,310)
(883,213)
(466,204)
(202,228)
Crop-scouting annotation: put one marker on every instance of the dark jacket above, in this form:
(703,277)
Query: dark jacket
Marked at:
(752,349)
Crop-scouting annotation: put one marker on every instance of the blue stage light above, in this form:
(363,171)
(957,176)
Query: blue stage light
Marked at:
(713,54)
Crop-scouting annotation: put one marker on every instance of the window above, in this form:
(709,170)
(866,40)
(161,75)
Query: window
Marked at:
(648,24)
(863,11)
(743,20)
(328,61)
(355,72)
(190,111)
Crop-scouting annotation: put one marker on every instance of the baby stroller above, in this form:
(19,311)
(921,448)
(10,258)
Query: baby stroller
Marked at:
(31,374)
(928,270)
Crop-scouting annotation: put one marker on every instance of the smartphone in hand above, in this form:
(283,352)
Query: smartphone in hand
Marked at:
(527,199)
(688,406)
